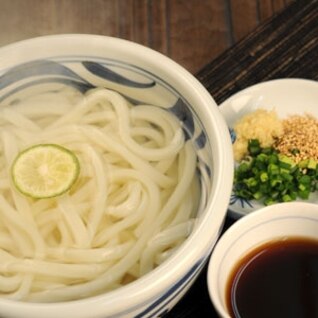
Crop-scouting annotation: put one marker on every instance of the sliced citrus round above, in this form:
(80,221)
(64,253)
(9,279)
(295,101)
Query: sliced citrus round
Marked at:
(45,170)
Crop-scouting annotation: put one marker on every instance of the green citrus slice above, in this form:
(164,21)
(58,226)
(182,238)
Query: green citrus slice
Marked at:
(45,171)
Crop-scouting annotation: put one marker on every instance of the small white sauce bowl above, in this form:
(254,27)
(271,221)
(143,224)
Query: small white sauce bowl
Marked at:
(293,219)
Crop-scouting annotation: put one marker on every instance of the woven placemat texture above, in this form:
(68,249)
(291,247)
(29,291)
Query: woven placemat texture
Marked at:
(284,46)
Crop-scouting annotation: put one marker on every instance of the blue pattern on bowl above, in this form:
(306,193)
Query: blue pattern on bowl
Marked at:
(238,200)
(104,72)
(234,199)
(161,305)
(232,134)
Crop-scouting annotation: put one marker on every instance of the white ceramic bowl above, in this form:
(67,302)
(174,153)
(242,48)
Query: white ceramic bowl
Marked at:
(86,61)
(293,219)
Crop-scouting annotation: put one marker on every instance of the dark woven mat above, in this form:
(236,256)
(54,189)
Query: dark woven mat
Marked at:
(284,46)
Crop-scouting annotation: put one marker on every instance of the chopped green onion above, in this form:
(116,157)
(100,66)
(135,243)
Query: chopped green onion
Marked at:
(272,177)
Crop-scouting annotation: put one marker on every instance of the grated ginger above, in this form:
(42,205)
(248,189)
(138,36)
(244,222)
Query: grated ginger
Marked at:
(261,124)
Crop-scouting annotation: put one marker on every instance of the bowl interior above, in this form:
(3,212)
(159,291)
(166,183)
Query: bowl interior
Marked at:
(72,74)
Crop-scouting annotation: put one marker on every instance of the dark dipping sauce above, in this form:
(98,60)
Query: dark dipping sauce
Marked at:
(277,279)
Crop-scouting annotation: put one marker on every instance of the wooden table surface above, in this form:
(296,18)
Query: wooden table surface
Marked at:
(192,32)
(227,44)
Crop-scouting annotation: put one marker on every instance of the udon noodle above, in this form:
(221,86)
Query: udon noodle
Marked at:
(132,206)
